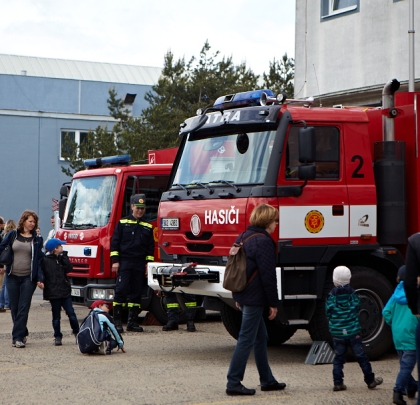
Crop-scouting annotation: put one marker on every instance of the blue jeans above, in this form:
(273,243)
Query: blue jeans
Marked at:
(4,296)
(253,334)
(20,291)
(404,378)
(56,315)
(340,350)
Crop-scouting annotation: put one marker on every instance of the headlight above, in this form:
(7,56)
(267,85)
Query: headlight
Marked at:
(102,294)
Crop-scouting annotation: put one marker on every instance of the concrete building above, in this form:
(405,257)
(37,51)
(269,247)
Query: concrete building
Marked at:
(40,100)
(346,50)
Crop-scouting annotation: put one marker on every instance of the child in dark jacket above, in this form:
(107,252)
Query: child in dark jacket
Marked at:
(403,324)
(342,307)
(57,287)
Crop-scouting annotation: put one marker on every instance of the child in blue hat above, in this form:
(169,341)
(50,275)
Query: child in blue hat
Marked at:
(56,286)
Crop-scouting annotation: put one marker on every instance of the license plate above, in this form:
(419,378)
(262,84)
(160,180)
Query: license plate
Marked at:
(170,223)
(75,292)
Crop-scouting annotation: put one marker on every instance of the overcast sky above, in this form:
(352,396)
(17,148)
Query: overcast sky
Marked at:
(141,32)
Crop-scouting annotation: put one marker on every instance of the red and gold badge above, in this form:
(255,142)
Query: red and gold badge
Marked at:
(314,221)
(155,233)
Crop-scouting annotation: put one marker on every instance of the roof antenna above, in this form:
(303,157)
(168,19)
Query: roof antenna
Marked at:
(317,85)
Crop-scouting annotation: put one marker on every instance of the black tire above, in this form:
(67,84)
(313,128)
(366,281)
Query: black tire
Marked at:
(318,327)
(158,307)
(374,291)
(277,334)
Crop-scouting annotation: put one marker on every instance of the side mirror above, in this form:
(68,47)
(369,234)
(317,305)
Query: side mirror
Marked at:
(64,191)
(307,172)
(307,145)
(62,207)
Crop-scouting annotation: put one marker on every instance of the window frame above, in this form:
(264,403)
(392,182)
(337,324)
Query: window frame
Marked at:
(328,12)
(78,133)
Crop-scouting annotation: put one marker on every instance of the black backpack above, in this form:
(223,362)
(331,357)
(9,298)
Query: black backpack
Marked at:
(90,335)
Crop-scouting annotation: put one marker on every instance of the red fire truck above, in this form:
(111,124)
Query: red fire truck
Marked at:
(338,177)
(92,206)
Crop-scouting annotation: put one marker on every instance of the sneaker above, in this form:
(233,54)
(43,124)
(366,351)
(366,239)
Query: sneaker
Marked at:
(277,386)
(2,309)
(57,341)
(240,390)
(191,326)
(340,387)
(102,348)
(24,340)
(19,344)
(375,382)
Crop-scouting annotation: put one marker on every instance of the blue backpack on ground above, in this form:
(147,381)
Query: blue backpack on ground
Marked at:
(90,335)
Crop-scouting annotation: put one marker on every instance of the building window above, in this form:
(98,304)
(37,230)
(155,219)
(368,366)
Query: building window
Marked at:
(338,8)
(71,139)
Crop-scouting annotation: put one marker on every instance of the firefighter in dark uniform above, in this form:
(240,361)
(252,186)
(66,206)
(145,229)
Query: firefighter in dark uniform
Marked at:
(132,246)
(173,308)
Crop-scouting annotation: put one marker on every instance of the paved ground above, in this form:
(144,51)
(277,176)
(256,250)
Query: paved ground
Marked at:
(166,368)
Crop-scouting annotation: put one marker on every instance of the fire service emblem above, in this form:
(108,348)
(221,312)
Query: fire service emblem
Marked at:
(314,221)
(195,225)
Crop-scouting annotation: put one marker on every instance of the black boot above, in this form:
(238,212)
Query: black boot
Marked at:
(117,310)
(398,399)
(191,326)
(171,325)
(133,321)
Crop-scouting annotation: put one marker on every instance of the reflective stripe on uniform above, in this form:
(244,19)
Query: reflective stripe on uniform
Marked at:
(175,305)
(132,305)
(115,253)
(131,222)
(121,304)
(190,304)
(150,258)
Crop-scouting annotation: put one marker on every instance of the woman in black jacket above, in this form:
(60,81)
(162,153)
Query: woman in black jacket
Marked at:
(57,288)
(260,293)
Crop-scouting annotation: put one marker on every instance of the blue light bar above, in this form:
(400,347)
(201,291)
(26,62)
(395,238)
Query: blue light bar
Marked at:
(245,99)
(108,160)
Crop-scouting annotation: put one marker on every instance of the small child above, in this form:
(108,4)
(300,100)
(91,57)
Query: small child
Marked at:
(57,288)
(403,324)
(342,308)
(107,322)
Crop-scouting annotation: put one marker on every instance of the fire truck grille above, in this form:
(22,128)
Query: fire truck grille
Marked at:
(204,248)
(81,268)
(203,236)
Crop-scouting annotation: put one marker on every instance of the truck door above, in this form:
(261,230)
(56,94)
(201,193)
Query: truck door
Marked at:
(320,215)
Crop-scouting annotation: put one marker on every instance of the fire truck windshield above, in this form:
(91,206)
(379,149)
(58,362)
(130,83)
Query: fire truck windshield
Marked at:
(239,158)
(89,203)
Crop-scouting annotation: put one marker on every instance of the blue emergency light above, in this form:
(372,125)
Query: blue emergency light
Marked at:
(245,99)
(108,160)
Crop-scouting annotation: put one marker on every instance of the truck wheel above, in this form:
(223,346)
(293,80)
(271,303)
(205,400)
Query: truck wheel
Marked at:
(374,292)
(277,334)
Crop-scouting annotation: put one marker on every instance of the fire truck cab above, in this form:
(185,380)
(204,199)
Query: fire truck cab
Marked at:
(90,209)
(338,177)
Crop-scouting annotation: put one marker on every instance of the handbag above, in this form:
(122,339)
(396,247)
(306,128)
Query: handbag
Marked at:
(6,255)
(235,278)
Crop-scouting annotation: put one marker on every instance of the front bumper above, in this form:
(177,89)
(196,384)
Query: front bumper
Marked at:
(198,280)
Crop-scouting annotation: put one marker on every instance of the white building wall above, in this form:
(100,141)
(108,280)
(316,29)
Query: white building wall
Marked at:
(357,50)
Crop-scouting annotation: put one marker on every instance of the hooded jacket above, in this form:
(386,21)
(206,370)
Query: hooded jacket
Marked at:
(412,271)
(403,323)
(37,254)
(56,283)
(342,310)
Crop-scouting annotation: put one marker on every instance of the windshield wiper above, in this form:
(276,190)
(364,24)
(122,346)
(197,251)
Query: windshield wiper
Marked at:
(84,226)
(197,183)
(180,186)
(229,183)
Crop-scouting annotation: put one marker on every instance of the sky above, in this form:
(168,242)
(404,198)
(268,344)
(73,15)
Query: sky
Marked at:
(141,32)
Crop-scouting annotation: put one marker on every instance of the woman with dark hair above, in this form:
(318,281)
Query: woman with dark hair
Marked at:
(259,294)
(23,273)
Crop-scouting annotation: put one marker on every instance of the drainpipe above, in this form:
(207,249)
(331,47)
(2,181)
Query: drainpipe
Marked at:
(388,102)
